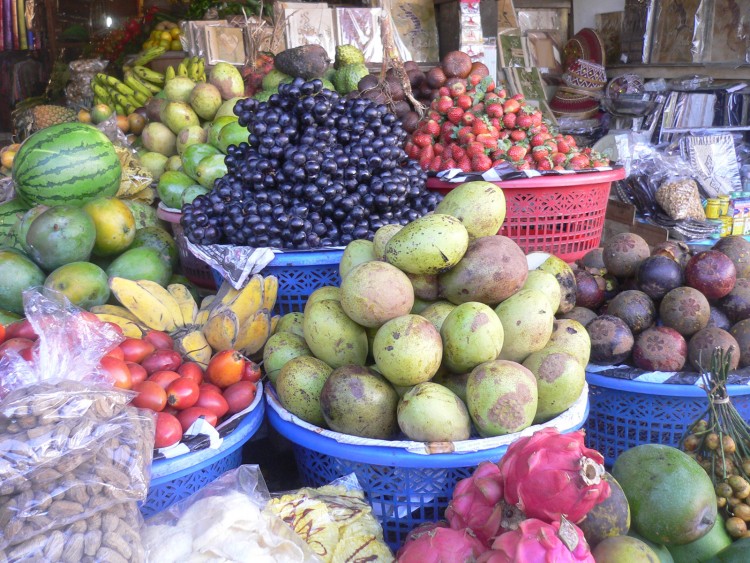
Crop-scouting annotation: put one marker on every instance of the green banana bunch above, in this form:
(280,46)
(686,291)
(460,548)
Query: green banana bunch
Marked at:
(148,55)
(111,91)
(148,75)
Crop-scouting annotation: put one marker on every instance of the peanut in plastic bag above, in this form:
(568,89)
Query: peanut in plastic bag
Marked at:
(224,521)
(53,497)
(335,520)
(111,535)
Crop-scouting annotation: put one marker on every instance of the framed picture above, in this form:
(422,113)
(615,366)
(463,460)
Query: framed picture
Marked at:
(543,50)
(674,25)
(510,49)
(225,44)
(197,36)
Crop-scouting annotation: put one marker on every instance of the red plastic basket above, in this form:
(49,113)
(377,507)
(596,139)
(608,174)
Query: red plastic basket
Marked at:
(194,269)
(562,215)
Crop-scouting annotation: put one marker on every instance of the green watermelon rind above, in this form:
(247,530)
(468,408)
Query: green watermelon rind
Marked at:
(10,212)
(69,163)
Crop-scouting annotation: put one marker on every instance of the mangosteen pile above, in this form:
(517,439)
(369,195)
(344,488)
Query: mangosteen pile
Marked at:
(318,170)
(665,308)
(454,67)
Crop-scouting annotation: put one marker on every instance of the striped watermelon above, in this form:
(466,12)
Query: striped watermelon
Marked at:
(69,163)
(10,212)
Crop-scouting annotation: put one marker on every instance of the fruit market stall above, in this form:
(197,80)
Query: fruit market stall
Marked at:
(388,260)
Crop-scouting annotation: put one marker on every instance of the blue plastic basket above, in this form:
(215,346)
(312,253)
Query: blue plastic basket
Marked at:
(178,478)
(299,274)
(624,414)
(405,489)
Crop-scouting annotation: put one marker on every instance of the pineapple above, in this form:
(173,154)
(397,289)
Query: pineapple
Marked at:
(28,120)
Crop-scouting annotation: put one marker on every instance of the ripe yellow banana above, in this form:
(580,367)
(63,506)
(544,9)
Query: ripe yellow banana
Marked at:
(182,69)
(114,310)
(221,330)
(192,344)
(270,289)
(247,301)
(254,333)
(166,298)
(274,323)
(150,310)
(129,328)
(188,306)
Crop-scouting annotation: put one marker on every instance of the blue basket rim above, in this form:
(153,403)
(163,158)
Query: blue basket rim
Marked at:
(650,388)
(393,457)
(165,470)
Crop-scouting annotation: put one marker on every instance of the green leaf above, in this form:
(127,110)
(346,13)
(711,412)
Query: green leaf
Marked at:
(481,90)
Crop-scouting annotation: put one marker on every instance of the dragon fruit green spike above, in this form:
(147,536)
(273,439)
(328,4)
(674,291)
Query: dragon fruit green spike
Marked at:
(550,475)
(476,503)
(440,544)
(539,542)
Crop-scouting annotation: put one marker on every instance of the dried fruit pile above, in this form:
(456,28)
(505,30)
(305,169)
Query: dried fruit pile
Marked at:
(474,126)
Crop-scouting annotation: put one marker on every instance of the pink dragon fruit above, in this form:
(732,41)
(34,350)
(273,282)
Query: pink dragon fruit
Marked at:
(440,545)
(476,503)
(549,475)
(539,542)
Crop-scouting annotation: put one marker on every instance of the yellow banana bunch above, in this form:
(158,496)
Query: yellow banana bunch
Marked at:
(241,319)
(111,91)
(190,67)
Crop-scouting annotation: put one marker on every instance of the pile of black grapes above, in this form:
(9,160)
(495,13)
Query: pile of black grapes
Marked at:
(318,170)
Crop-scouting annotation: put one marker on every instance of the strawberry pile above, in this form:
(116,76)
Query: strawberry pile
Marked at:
(474,127)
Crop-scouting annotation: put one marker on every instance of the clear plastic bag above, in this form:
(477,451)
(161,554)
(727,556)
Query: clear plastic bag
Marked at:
(335,520)
(78,93)
(714,160)
(224,521)
(74,458)
(110,535)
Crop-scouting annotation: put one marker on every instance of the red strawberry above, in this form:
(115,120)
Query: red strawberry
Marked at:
(475,79)
(491,97)
(481,162)
(563,147)
(428,152)
(502,92)
(509,120)
(491,87)
(422,139)
(522,165)
(578,162)
(438,148)
(487,140)
(435,116)
(447,151)
(464,164)
(537,140)
(600,162)
(523,121)
(518,97)
(558,158)
(545,164)
(570,140)
(504,134)
(498,162)
(475,148)
(536,118)
(479,127)
(494,131)
(479,108)
(586,151)
(457,152)
(496,123)
(424,162)
(447,164)
(494,110)
(516,153)
(517,135)
(431,127)
(412,150)
(444,103)
(464,102)
(498,154)
(468,118)
(540,153)
(457,88)
(436,164)
(446,129)
(558,167)
(511,106)
(444,91)
(454,115)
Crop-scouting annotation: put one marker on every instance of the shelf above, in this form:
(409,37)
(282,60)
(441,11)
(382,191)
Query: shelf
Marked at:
(716,70)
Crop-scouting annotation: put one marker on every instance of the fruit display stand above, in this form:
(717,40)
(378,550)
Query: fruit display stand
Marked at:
(406,483)
(174,479)
(626,413)
(561,214)
(299,274)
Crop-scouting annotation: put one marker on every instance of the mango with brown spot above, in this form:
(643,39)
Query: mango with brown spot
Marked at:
(559,379)
(472,334)
(501,397)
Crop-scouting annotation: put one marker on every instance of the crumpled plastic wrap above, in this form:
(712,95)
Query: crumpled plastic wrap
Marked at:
(335,520)
(74,457)
(224,521)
